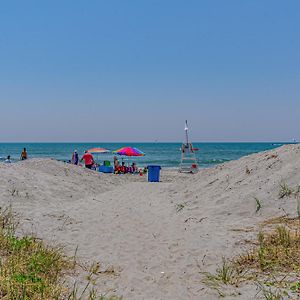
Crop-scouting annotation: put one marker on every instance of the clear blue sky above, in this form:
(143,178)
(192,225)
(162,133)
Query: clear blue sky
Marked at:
(135,70)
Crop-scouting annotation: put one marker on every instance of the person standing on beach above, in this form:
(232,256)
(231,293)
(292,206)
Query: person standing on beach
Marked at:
(75,158)
(88,159)
(24,155)
(116,163)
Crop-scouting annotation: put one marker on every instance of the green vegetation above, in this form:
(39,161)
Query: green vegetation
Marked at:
(270,294)
(31,270)
(285,191)
(274,264)
(180,206)
(277,252)
(258,204)
(226,273)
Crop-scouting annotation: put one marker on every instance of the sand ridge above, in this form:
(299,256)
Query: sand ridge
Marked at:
(159,237)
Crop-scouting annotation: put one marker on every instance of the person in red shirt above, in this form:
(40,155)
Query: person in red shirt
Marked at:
(123,168)
(88,159)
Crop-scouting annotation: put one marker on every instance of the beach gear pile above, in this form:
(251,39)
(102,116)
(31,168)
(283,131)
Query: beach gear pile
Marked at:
(106,167)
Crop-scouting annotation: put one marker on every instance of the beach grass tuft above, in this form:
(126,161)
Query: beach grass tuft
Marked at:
(180,207)
(29,269)
(270,293)
(285,190)
(278,251)
(226,272)
(276,255)
(258,204)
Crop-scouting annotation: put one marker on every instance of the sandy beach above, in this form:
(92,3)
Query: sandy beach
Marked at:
(159,238)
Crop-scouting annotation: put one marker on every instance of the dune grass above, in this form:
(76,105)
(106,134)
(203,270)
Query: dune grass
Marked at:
(273,264)
(258,204)
(285,190)
(278,251)
(31,270)
(180,206)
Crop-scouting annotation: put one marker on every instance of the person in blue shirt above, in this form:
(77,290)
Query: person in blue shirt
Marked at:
(75,158)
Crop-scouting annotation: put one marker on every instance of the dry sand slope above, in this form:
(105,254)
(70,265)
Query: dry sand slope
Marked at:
(159,237)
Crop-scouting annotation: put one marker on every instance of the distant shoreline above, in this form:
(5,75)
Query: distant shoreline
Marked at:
(167,155)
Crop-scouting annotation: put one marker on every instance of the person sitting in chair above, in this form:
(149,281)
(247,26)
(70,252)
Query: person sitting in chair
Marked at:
(123,168)
(134,168)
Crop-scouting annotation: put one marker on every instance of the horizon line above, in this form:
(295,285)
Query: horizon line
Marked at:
(141,142)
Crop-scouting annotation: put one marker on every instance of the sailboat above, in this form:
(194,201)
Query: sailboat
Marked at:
(188,162)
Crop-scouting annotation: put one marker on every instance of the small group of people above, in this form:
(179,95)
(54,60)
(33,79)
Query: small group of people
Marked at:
(90,163)
(87,158)
(23,156)
(123,169)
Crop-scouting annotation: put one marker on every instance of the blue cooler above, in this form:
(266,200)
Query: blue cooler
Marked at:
(153,173)
(106,169)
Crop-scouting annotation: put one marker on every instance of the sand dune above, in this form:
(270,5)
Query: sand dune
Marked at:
(159,237)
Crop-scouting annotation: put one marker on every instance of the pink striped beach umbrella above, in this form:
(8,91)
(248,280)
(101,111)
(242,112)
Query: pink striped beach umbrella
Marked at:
(129,151)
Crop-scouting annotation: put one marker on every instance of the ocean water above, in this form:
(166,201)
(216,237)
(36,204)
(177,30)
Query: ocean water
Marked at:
(163,154)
